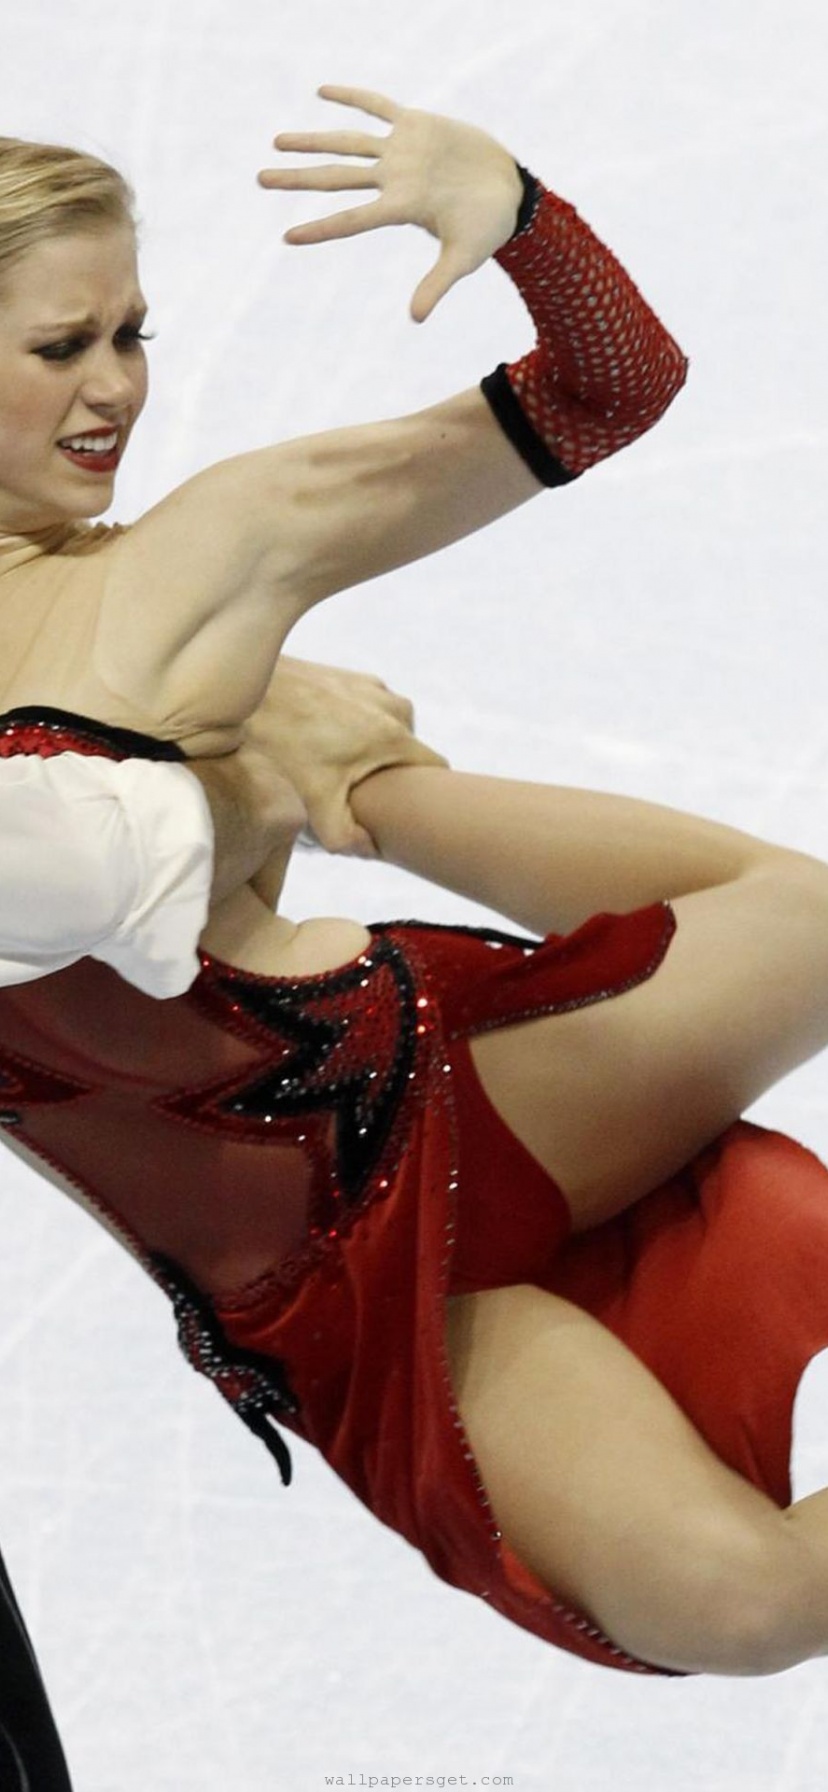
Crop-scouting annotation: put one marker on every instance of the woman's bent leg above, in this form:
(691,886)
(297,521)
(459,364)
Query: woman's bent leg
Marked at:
(604,1488)
(615,1098)
(31,1757)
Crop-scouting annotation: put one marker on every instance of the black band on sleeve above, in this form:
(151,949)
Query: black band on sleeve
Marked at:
(529,202)
(515,424)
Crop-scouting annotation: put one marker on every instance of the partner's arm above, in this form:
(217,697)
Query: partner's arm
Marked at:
(326,729)
(119,861)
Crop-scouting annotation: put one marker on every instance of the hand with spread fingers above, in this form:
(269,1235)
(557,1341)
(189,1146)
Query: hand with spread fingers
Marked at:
(451,179)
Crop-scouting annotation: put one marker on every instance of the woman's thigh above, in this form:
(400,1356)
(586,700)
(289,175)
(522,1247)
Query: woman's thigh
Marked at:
(614,1098)
(603,1487)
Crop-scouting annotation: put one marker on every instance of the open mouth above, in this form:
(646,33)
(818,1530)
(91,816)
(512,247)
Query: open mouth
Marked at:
(95,453)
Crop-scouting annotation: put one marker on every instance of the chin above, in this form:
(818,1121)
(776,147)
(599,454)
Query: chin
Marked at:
(80,509)
(85,509)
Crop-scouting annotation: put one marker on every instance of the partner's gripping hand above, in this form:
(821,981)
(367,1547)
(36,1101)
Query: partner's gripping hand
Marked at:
(326,730)
(450,179)
(256,814)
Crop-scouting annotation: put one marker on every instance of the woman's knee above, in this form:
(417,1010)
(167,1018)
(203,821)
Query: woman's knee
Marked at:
(735,1610)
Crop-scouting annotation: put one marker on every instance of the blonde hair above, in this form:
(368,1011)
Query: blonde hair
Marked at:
(47,190)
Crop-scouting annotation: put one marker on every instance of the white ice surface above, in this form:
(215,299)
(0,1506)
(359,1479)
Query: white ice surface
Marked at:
(660,628)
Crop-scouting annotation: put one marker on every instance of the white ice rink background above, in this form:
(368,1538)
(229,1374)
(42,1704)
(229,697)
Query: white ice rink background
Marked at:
(660,628)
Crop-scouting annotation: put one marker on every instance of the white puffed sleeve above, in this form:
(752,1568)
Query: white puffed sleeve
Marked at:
(111,860)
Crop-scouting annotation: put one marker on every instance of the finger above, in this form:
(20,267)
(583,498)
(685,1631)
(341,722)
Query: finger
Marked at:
(338,225)
(447,270)
(402,710)
(325,143)
(330,179)
(377,104)
(338,832)
(362,846)
(412,751)
(426,755)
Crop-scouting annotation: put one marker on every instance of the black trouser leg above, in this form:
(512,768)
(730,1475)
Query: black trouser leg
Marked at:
(31,1757)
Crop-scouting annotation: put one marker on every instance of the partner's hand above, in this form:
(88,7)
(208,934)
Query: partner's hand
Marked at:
(326,730)
(451,179)
(255,813)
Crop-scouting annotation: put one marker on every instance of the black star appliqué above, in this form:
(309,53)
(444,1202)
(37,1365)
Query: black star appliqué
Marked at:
(341,1043)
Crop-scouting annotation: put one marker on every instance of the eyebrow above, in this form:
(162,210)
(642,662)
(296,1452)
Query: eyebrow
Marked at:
(138,309)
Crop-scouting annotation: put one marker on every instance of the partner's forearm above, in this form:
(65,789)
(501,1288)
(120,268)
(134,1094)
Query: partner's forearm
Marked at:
(542,856)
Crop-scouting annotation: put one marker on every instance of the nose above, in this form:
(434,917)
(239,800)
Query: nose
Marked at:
(113,384)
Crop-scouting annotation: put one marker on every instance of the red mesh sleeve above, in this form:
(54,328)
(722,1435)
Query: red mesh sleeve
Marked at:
(603,369)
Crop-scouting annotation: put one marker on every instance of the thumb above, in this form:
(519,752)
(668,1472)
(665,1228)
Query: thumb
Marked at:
(337,831)
(447,270)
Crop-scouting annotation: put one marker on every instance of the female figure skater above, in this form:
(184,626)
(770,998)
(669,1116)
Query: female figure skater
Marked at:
(472,1213)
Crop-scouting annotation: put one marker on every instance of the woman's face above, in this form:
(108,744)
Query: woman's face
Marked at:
(73,375)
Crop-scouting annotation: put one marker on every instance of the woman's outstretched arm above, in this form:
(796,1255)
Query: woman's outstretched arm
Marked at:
(205,587)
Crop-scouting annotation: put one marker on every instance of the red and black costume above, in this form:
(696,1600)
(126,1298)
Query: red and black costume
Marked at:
(301,1188)
(310,1168)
